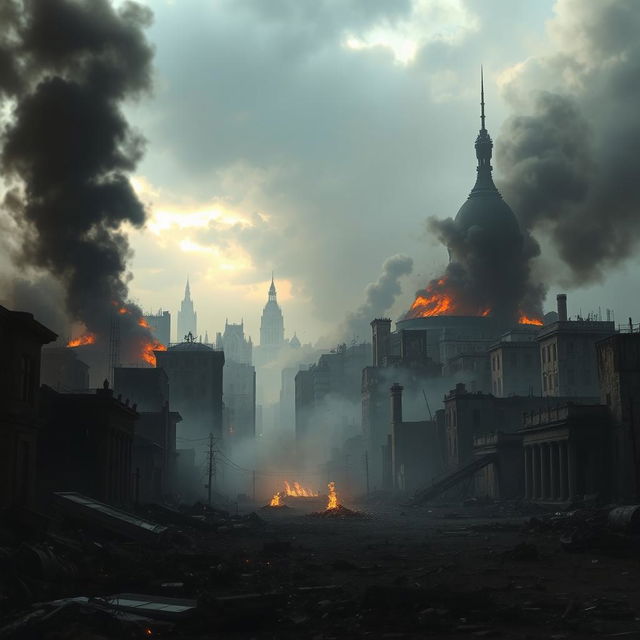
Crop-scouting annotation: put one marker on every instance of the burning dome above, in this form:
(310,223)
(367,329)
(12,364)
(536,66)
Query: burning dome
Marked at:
(488,272)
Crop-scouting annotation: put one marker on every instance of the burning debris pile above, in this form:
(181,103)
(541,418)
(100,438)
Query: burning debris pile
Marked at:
(294,490)
(334,508)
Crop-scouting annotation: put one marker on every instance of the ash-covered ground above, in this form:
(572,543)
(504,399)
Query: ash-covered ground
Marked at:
(497,570)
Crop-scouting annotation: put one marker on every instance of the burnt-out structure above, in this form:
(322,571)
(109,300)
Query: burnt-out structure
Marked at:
(195,374)
(416,448)
(148,388)
(468,415)
(63,370)
(566,452)
(154,455)
(86,445)
(619,375)
(400,357)
(515,364)
(568,353)
(21,340)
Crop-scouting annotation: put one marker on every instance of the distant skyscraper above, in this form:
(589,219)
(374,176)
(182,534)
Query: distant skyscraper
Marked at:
(160,324)
(187,317)
(235,346)
(272,324)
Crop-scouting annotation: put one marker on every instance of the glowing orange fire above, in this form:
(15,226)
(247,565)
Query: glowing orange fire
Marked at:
(147,351)
(87,338)
(333,496)
(143,323)
(524,319)
(439,299)
(298,490)
(276,501)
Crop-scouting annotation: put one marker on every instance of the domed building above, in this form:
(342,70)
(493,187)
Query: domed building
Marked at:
(485,211)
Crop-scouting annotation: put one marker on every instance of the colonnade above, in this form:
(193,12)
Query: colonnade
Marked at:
(549,471)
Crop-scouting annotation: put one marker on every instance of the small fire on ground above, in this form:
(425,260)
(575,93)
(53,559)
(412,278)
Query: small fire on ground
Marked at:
(298,491)
(291,490)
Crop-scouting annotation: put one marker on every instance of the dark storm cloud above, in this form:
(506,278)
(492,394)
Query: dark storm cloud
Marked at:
(569,154)
(379,297)
(70,147)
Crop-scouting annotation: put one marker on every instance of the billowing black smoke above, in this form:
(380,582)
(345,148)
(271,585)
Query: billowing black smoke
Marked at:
(489,273)
(569,155)
(380,296)
(69,65)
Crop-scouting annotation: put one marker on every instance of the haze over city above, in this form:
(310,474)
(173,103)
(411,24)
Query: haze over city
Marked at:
(319,318)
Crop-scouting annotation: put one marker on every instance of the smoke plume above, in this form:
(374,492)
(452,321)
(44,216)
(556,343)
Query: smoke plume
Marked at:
(569,154)
(379,295)
(69,65)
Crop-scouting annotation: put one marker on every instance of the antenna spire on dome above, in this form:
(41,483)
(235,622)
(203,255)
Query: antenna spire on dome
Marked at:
(482,98)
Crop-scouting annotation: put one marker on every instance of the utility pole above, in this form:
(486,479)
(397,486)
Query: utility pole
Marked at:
(212,466)
(366,469)
(253,494)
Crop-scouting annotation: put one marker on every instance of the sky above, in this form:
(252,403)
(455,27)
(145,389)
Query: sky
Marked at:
(313,139)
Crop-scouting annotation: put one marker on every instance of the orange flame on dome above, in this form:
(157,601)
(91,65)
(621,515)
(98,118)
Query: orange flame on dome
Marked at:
(524,319)
(333,496)
(87,338)
(438,299)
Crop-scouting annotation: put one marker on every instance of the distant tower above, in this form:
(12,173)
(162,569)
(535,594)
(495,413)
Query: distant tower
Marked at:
(272,323)
(187,317)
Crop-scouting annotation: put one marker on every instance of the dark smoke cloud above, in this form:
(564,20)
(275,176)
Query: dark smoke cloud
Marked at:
(379,295)
(70,147)
(488,272)
(569,154)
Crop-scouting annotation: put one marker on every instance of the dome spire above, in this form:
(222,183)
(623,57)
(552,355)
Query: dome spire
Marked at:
(482,128)
(484,149)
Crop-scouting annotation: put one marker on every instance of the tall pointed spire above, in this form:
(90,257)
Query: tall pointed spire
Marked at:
(187,290)
(484,150)
(482,99)
(272,289)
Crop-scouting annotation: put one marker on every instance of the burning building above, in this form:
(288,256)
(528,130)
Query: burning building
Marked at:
(486,288)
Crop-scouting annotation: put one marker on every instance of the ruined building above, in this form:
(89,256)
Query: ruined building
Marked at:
(86,445)
(568,353)
(195,374)
(160,325)
(187,317)
(21,340)
(239,383)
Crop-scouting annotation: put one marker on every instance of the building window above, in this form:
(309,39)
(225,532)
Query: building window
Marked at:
(544,355)
(544,381)
(555,353)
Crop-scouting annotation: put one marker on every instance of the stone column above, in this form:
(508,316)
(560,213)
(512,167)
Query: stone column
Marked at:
(562,471)
(553,470)
(544,470)
(528,474)
(535,456)
(571,468)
